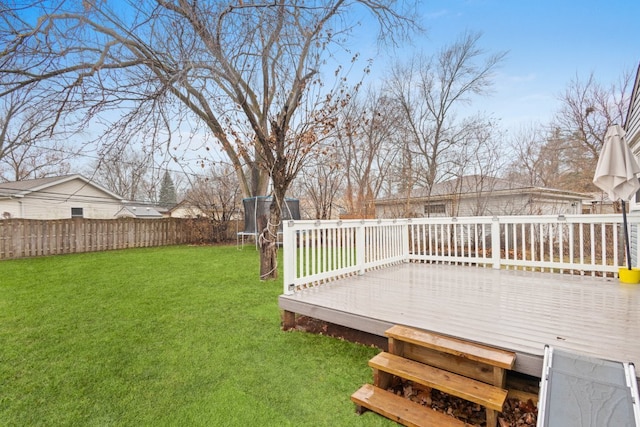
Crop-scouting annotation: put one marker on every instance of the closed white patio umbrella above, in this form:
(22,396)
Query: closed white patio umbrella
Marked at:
(616,174)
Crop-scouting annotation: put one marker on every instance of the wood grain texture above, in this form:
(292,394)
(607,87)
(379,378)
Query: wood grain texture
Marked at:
(401,410)
(444,344)
(512,310)
(466,388)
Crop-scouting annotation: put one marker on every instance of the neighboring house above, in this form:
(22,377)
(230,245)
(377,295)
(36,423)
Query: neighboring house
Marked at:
(185,209)
(599,203)
(139,211)
(477,196)
(69,196)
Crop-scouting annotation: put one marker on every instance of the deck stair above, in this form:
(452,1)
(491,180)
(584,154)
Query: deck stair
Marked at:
(460,368)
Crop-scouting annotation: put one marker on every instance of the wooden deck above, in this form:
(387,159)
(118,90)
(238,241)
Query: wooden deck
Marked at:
(514,310)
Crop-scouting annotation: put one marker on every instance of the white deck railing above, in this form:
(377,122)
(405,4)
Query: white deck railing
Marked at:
(317,252)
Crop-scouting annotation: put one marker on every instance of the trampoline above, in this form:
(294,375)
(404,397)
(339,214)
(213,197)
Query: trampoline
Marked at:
(255,207)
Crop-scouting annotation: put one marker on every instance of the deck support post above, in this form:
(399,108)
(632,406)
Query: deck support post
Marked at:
(381,379)
(499,377)
(288,320)
(492,418)
(396,346)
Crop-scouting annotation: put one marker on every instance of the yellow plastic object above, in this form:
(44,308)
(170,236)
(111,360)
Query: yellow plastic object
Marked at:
(629,276)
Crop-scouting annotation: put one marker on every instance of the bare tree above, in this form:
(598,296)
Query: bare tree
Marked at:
(526,165)
(321,183)
(127,173)
(368,131)
(32,162)
(28,146)
(564,153)
(476,162)
(215,196)
(248,72)
(538,157)
(588,109)
(429,93)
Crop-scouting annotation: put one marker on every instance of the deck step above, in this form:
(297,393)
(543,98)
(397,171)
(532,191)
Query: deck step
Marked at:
(457,385)
(441,343)
(464,369)
(401,410)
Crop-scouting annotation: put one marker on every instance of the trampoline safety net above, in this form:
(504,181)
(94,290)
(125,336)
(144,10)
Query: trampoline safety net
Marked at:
(254,207)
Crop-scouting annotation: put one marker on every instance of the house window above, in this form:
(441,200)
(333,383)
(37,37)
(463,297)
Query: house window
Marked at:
(434,208)
(77,213)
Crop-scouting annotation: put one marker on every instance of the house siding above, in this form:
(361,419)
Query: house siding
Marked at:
(10,208)
(514,204)
(55,202)
(632,121)
(187,212)
(632,130)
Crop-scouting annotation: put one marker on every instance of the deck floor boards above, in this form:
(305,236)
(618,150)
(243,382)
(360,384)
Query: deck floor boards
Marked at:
(514,310)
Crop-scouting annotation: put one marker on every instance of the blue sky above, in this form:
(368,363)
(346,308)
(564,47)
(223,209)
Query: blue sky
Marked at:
(549,43)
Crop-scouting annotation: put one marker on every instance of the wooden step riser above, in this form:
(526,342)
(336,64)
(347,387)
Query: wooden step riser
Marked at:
(466,388)
(449,362)
(472,351)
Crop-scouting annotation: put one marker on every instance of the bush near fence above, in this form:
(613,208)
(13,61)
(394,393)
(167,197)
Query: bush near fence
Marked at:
(20,238)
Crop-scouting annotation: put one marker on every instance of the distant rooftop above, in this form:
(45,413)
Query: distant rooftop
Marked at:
(24,187)
(474,184)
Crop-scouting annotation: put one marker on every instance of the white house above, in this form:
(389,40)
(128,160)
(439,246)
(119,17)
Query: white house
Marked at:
(69,196)
(184,209)
(479,196)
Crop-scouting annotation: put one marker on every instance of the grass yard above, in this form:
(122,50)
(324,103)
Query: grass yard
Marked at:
(165,337)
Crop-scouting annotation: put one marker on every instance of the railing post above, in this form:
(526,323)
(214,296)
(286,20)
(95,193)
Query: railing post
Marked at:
(406,229)
(495,242)
(634,237)
(289,254)
(360,247)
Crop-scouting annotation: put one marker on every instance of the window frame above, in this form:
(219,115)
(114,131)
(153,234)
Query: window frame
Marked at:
(435,209)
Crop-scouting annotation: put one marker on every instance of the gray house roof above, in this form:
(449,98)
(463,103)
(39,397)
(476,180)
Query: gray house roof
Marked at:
(23,188)
(139,211)
(473,185)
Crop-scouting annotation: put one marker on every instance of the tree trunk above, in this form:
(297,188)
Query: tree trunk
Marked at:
(268,242)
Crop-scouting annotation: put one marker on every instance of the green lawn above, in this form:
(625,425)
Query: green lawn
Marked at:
(164,337)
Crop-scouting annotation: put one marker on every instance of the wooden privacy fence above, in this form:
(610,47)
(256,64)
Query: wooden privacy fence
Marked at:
(21,238)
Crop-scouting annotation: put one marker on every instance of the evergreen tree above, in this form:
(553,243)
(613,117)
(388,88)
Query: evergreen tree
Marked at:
(168,194)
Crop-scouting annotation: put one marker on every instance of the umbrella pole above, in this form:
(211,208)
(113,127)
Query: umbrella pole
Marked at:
(626,234)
